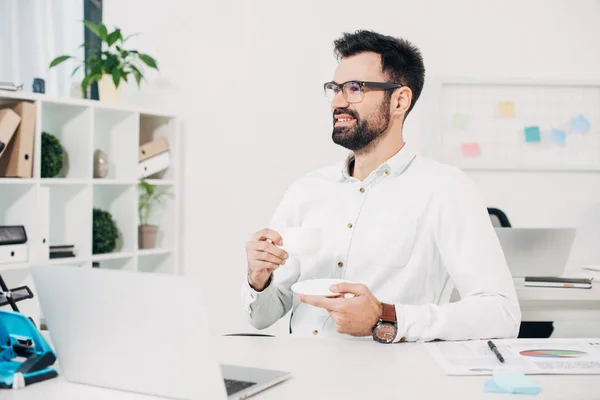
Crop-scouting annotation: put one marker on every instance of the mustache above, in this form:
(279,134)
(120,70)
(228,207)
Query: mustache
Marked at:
(346,111)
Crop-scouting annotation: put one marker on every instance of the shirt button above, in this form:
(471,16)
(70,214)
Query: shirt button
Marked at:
(387,171)
(315,332)
(340,264)
(362,190)
(349,225)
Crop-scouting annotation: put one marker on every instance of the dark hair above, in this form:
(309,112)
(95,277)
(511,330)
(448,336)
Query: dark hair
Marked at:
(400,60)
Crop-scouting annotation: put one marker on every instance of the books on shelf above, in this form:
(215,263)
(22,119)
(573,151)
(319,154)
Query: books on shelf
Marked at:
(555,282)
(62,251)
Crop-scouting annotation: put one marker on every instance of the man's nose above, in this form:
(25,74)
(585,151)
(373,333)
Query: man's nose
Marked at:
(339,101)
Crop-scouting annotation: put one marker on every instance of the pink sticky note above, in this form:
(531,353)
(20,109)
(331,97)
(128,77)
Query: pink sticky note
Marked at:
(470,149)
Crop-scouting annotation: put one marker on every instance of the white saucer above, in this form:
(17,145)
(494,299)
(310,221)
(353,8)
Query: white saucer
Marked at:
(317,287)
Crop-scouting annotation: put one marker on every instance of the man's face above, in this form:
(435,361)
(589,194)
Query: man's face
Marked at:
(357,126)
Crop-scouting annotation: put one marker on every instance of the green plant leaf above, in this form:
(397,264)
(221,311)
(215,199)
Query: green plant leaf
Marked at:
(149,61)
(116,77)
(95,28)
(113,37)
(137,73)
(130,36)
(75,70)
(103,32)
(124,75)
(59,60)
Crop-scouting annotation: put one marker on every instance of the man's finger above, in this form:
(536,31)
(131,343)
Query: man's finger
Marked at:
(268,234)
(357,289)
(322,302)
(256,265)
(264,256)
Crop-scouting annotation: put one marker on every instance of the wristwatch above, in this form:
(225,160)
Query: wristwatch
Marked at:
(386,329)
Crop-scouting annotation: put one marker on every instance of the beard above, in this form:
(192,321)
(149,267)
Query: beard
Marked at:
(364,133)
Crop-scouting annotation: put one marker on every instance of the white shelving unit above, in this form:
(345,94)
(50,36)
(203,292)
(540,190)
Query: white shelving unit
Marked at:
(58,211)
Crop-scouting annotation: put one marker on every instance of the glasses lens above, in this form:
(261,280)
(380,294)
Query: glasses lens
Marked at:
(331,90)
(353,92)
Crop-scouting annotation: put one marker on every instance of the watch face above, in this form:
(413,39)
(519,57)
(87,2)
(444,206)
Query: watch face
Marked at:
(385,332)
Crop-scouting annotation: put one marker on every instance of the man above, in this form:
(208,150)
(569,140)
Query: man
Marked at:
(400,225)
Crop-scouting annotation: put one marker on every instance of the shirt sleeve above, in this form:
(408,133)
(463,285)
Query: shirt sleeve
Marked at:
(266,307)
(471,253)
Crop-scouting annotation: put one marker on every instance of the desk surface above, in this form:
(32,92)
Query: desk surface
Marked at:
(347,369)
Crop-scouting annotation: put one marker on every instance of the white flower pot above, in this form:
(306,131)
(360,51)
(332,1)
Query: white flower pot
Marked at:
(107,90)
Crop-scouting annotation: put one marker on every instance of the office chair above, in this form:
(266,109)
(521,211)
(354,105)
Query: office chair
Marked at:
(528,330)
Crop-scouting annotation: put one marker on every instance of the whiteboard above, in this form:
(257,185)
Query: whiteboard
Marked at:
(524,125)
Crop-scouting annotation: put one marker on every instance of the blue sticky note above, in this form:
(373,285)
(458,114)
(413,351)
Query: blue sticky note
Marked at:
(532,134)
(515,382)
(580,123)
(558,136)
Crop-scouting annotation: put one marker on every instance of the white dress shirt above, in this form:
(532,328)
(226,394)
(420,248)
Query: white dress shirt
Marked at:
(410,228)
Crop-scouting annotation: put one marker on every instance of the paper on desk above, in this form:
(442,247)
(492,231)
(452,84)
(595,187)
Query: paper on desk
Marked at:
(539,356)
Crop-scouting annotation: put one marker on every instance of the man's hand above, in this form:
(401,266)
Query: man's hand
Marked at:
(355,316)
(264,257)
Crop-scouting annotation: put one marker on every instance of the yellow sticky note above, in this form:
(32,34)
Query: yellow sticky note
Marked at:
(506,109)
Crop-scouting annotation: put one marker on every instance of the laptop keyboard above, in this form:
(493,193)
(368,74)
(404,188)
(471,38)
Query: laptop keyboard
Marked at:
(234,386)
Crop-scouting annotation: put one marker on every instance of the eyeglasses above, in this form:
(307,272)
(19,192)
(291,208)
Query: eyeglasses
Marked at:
(353,90)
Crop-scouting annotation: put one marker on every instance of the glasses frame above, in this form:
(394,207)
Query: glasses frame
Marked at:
(373,85)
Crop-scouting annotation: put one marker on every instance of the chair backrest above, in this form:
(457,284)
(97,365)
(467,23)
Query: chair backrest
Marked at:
(498,218)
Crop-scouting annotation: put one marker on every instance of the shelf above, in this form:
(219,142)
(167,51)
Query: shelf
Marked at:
(159,263)
(62,181)
(72,126)
(17,181)
(120,202)
(66,261)
(154,252)
(161,182)
(115,134)
(13,267)
(101,181)
(111,256)
(153,127)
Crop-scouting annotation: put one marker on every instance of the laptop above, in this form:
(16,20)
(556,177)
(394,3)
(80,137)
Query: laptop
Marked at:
(536,251)
(138,332)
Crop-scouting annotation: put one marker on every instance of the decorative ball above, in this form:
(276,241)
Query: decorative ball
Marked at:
(105,232)
(53,155)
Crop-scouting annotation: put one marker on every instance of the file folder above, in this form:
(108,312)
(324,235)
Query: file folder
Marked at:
(153,148)
(155,164)
(9,121)
(17,161)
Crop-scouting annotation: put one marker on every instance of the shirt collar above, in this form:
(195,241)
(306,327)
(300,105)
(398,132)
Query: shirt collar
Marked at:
(395,164)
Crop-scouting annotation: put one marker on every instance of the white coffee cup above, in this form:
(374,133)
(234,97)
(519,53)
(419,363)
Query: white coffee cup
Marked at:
(301,240)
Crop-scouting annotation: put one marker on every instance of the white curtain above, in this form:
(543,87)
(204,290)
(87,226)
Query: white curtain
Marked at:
(32,34)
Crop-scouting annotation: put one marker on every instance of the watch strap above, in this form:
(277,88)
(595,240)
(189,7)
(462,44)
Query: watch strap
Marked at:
(389,313)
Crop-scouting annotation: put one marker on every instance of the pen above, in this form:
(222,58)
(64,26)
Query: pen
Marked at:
(495,350)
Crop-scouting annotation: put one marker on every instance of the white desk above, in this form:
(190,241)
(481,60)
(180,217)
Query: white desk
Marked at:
(326,369)
(560,304)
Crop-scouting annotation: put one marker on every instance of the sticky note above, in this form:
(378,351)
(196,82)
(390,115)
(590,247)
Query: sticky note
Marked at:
(506,109)
(580,124)
(460,121)
(515,382)
(470,149)
(558,136)
(532,134)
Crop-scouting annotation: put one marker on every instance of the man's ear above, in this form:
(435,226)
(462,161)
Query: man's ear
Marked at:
(401,101)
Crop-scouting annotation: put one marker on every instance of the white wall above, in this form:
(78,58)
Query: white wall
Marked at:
(248,75)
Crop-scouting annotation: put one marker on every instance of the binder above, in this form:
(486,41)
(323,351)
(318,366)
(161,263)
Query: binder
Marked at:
(153,148)
(154,164)
(9,121)
(12,234)
(17,160)
(13,253)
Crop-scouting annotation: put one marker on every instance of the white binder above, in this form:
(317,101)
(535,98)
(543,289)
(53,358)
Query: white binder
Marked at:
(13,253)
(154,164)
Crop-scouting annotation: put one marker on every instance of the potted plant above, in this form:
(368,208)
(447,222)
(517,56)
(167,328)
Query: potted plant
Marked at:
(149,197)
(105,232)
(110,64)
(53,155)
